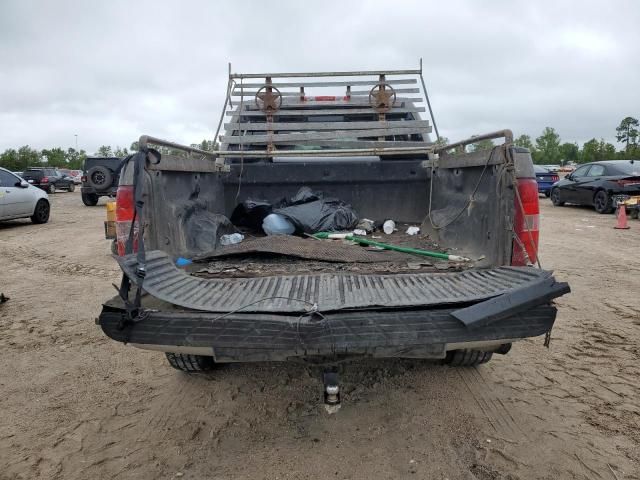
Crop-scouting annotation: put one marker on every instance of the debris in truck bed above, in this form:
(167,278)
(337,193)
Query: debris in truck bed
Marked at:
(307,211)
(311,249)
(266,256)
(388,246)
(267,266)
(251,213)
(202,228)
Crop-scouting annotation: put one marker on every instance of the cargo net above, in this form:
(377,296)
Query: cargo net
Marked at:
(350,113)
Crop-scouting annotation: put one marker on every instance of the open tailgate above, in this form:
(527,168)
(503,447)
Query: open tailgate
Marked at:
(329,292)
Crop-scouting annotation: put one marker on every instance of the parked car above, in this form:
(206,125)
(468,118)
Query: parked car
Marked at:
(100,178)
(596,184)
(545,179)
(76,175)
(461,317)
(19,199)
(49,179)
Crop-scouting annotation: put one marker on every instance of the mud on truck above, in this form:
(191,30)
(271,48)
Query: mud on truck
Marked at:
(359,145)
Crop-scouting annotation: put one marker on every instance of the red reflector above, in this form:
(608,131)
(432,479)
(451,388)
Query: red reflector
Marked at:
(44,180)
(125,209)
(324,98)
(84,178)
(526,226)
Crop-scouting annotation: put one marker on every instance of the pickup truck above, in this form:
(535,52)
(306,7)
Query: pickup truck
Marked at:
(370,148)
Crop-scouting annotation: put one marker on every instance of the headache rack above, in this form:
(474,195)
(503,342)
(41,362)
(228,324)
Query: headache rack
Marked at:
(324,114)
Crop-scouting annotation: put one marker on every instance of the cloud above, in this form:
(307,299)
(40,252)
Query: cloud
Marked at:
(111,71)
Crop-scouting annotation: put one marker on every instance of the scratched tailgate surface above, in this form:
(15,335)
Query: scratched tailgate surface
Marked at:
(330,292)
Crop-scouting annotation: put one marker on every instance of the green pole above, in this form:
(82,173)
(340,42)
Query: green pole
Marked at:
(386,246)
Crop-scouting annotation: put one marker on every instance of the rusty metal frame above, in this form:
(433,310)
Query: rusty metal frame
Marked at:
(506,134)
(420,149)
(374,97)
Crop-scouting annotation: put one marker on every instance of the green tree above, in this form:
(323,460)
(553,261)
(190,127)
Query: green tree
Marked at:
(75,159)
(134,146)
(206,145)
(594,150)
(56,157)
(548,147)
(481,145)
(570,152)
(525,142)
(28,157)
(104,151)
(607,151)
(632,153)
(628,131)
(9,159)
(589,151)
(121,152)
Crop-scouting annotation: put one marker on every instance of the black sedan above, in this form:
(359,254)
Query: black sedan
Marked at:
(596,184)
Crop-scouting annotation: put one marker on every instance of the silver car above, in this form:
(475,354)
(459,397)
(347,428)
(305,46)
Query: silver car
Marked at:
(19,199)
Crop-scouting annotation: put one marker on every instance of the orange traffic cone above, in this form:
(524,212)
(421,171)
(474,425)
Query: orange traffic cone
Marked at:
(622,217)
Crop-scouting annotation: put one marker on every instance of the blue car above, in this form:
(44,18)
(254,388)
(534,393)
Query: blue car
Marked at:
(545,179)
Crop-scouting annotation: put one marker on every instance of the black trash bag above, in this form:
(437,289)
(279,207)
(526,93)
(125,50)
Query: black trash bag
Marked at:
(304,195)
(310,213)
(202,229)
(251,213)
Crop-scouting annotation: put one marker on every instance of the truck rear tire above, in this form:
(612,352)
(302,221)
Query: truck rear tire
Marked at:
(190,363)
(90,199)
(467,358)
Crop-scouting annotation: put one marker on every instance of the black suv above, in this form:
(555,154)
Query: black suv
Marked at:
(48,179)
(100,178)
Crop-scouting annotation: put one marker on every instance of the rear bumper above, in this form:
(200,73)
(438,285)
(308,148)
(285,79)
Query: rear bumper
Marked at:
(544,187)
(426,333)
(102,193)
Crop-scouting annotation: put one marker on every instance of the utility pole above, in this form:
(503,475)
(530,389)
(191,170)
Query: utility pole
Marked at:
(76,135)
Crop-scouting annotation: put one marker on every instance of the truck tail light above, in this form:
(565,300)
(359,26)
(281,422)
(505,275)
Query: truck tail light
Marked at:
(526,223)
(84,178)
(44,180)
(125,212)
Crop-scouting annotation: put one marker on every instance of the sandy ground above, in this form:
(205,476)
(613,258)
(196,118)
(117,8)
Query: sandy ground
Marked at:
(77,405)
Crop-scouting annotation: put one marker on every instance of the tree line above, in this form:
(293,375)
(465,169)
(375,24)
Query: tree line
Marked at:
(548,149)
(25,157)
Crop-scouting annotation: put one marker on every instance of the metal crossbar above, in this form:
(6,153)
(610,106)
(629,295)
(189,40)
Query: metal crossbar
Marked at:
(284,115)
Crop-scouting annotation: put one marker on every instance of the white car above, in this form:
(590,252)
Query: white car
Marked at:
(19,199)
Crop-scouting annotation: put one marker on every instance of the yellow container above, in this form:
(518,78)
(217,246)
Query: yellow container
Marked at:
(111,211)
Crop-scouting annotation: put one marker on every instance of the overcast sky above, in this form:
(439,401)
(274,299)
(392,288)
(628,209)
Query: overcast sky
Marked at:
(110,71)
